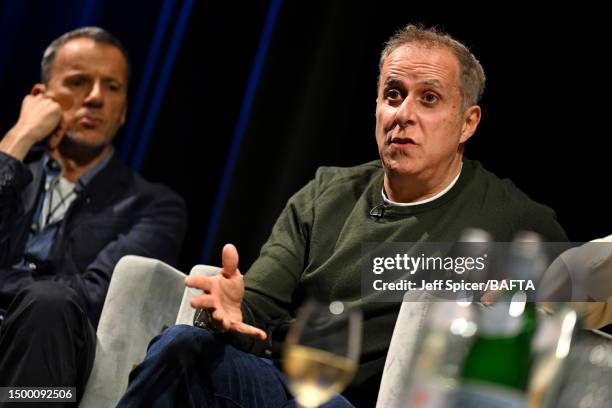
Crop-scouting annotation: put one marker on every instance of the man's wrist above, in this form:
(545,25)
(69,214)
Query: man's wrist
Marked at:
(17,143)
(203,320)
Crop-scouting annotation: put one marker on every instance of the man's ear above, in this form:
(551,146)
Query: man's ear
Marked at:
(471,119)
(38,89)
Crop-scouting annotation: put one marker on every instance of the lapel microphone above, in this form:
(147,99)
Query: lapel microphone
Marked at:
(378,211)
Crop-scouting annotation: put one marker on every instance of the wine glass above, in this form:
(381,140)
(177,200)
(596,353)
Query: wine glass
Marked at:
(321,351)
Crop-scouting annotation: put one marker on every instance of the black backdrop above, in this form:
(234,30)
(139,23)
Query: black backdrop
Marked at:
(545,111)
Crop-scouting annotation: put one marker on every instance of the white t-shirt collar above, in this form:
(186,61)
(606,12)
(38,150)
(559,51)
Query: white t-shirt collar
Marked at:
(427,200)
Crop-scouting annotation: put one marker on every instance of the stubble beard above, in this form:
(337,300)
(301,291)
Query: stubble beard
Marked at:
(82,152)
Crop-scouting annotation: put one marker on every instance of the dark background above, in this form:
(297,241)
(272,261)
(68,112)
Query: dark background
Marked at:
(235,104)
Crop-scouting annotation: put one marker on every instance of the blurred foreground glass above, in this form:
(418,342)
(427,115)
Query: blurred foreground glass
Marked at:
(322,351)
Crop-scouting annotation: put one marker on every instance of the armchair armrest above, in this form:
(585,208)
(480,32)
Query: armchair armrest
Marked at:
(186,313)
(143,298)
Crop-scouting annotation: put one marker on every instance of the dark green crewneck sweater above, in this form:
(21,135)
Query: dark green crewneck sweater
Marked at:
(315,246)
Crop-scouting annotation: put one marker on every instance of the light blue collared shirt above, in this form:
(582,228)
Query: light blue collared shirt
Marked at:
(45,225)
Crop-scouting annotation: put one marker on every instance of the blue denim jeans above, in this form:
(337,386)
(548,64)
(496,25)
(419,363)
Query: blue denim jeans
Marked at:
(189,367)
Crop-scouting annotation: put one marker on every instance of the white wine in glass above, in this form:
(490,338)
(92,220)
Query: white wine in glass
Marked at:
(322,351)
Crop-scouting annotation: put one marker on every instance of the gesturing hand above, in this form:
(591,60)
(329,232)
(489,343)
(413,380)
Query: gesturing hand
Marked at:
(223,295)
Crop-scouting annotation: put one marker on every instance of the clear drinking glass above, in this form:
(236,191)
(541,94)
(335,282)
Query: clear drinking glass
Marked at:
(321,352)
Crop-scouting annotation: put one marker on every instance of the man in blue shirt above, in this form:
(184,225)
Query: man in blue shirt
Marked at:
(67,217)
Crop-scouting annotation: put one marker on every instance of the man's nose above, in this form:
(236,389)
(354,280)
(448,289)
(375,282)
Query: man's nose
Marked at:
(95,96)
(405,114)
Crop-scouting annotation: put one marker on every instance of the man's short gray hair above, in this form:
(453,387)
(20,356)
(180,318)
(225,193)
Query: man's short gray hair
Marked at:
(471,74)
(97,34)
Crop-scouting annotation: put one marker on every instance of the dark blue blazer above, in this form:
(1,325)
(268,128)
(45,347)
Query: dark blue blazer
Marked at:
(118,213)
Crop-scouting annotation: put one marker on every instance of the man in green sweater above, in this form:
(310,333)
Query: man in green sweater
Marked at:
(422,189)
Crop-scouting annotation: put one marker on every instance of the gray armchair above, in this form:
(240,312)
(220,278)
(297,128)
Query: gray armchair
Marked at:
(144,297)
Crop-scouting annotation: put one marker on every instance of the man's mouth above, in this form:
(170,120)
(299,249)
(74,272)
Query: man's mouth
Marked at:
(401,141)
(90,121)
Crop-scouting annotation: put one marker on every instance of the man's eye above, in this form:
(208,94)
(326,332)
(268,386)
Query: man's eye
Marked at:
(430,98)
(393,94)
(114,87)
(76,81)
